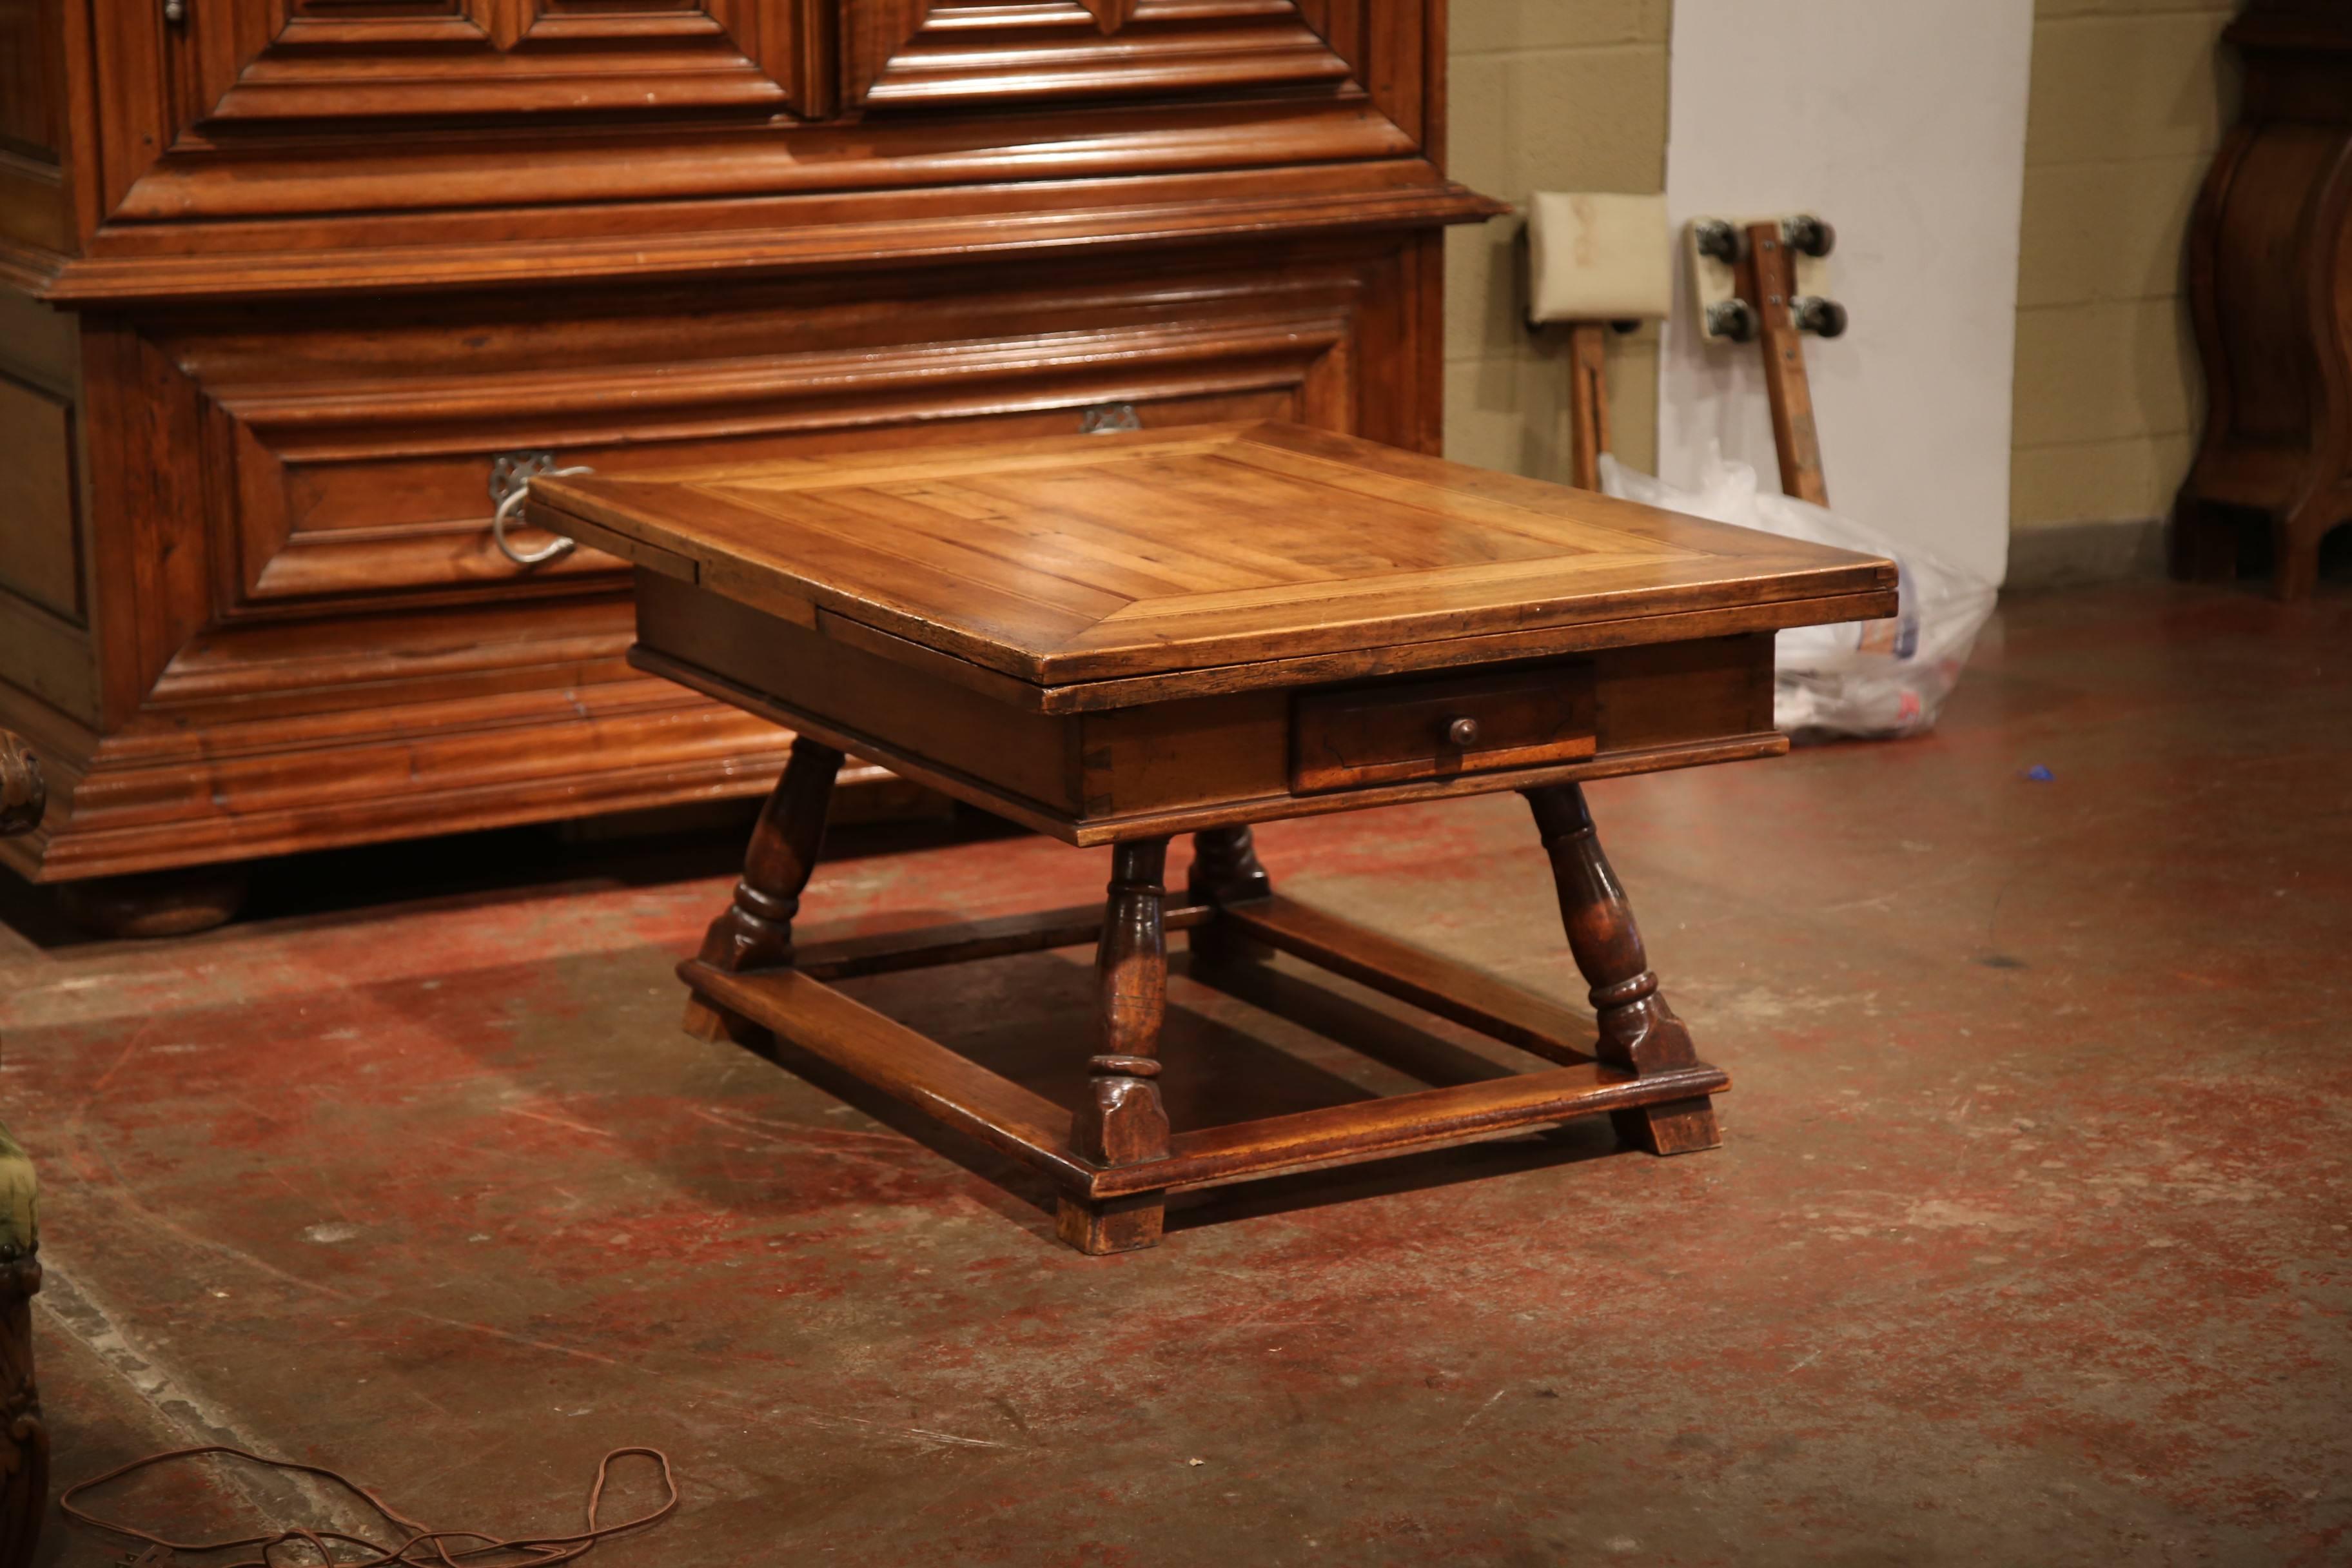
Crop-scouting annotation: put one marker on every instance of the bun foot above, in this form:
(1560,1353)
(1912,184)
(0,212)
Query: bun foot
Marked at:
(156,903)
(1121,1224)
(1677,1127)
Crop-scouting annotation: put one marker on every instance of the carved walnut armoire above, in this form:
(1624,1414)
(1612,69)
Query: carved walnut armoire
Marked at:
(282,281)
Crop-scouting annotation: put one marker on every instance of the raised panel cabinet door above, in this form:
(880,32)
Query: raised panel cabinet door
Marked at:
(32,109)
(227,75)
(970,55)
(33,204)
(430,134)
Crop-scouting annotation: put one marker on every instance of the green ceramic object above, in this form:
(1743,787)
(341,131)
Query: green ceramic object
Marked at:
(19,1223)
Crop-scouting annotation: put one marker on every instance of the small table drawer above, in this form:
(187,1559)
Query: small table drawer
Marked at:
(1403,730)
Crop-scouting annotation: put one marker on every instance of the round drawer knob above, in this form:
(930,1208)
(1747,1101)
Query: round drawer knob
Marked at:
(1463,731)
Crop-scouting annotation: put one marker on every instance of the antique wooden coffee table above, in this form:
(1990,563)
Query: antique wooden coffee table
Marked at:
(1113,639)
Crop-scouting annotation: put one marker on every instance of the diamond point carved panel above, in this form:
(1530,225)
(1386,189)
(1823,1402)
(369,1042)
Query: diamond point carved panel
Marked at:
(275,74)
(277,81)
(259,63)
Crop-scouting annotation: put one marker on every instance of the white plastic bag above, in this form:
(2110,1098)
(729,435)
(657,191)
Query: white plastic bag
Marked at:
(1862,677)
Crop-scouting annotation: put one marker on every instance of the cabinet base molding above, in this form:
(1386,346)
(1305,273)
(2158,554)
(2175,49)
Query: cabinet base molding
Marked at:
(628,746)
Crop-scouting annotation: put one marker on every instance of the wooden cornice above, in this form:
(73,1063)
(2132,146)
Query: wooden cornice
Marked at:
(802,236)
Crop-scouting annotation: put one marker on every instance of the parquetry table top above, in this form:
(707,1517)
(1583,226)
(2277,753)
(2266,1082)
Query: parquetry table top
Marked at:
(1095,557)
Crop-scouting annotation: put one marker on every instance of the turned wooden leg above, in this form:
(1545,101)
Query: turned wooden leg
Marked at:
(1638,1030)
(756,930)
(1121,1121)
(1225,870)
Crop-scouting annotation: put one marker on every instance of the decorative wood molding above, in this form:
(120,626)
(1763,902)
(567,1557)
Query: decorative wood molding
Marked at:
(482,765)
(572,179)
(364,482)
(238,68)
(335,544)
(860,233)
(933,54)
(623,232)
(288,106)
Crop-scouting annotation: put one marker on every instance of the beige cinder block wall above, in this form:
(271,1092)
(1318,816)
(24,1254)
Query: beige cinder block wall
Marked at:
(1551,95)
(2128,100)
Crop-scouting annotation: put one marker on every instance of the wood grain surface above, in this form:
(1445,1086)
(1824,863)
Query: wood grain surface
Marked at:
(282,281)
(294,629)
(958,547)
(1390,731)
(1104,557)
(298,145)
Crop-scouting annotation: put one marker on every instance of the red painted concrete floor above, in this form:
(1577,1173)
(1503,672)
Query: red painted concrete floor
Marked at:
(2028,1242)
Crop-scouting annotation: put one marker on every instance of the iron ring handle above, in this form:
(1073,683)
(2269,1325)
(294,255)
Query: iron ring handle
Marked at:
(556,549)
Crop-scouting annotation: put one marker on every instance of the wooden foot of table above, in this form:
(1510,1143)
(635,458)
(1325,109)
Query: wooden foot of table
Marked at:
(1118,1224)
(1683,1127)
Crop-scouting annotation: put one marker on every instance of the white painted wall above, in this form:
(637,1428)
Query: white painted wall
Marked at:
(1903,123)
